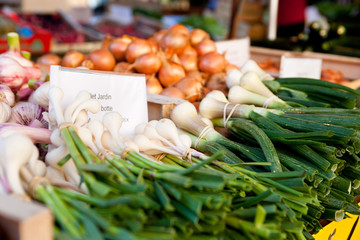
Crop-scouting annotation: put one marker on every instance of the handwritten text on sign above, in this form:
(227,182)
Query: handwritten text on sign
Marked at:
(123,93)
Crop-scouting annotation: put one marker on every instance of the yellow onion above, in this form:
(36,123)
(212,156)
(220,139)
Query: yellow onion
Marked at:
(205,46)
(197,35)
(212,62)
(102,59)
(190,87)
(137,48)
(153,85)
(72,59)
(118,46)
(173,92)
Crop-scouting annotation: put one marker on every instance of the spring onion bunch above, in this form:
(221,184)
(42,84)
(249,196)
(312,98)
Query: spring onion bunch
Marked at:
(131,196)
(321,140)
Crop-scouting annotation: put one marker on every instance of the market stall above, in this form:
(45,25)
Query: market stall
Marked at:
(177,135)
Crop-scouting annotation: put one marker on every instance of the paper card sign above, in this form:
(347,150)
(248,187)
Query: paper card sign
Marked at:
(237,51)
(120,13)
(123,93)
(300,67)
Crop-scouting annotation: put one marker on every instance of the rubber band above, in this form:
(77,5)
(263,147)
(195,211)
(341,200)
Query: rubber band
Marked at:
(188,155)
(226,119)
(159,157)
(268,101)
(65,125)
(104,153)
(126,150)
(202,135)
(35,182)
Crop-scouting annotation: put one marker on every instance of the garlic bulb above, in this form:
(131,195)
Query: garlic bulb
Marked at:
(41,96)
(5,112)
(25,113)
(6,95)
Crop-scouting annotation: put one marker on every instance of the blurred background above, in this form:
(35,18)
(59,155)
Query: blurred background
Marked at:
(298,25)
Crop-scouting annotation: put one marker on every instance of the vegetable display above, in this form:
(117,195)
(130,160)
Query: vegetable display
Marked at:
(287,156)
(169,55)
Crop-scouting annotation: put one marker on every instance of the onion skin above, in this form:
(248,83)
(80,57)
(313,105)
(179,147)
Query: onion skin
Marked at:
(173,92)
(189,50)
(189,62)
(154,46)
(158,35)
(170,73)
(118,47)
(87,64)
(174,42)
(72,59)
(137,48)
(102,59)
(190,87)
(49,59)
(212,62)
(230,67)
(148,63)
(153,85)
(205,46)
(196,74)
(180,28)
(197,35)
(217,81)
(123,67)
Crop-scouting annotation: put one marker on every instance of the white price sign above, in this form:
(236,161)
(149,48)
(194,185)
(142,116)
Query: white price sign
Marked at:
(123,93)
(237,51)
(300,67)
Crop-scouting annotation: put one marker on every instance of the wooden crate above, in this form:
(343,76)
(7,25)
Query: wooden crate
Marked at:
(24,220)
(349,66)
(161,106)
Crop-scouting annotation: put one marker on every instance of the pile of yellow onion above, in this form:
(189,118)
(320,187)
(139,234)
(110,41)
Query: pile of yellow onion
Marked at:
(177,62)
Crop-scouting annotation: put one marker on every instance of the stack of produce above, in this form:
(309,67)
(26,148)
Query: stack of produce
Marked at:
(302,124)
(291,158)
(177,63)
